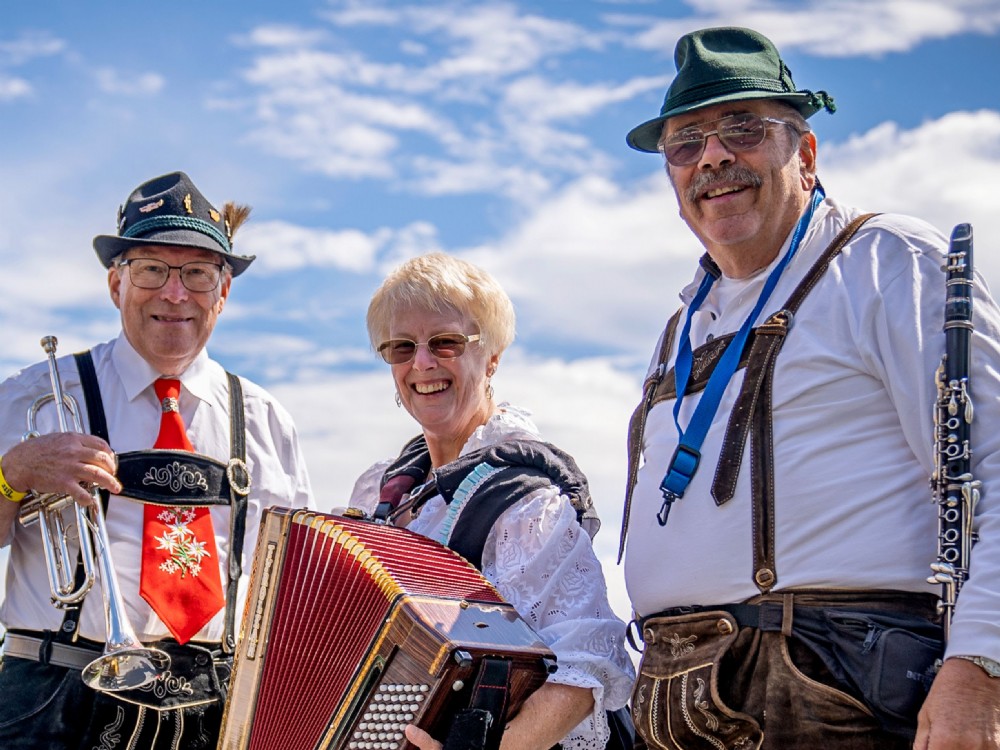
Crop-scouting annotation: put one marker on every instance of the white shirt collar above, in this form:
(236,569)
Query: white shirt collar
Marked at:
(137,374)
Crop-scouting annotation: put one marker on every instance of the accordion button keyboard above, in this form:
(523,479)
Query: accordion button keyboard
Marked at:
(391,708)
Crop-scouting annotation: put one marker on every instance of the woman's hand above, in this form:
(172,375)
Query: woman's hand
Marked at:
(421,739)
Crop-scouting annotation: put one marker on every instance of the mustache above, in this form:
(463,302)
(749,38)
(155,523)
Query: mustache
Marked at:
(729,174)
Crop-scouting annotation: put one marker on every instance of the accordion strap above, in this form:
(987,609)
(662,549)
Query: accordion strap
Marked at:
(480,726)
(514,468)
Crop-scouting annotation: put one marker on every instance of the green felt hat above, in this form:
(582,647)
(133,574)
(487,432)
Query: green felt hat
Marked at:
(722,65)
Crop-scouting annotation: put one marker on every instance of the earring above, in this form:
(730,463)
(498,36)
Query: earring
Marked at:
(399,400)
(489,391)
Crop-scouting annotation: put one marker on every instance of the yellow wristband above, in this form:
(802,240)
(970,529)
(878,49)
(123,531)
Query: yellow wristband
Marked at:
(7,491)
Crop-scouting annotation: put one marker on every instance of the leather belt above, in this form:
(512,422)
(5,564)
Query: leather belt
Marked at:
(767,612)
(59,654)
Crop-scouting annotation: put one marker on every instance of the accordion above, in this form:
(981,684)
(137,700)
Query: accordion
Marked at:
(353,629)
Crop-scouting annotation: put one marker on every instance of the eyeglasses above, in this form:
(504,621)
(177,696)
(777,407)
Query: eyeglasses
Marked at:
(442,346)
(740,132)
(149,273)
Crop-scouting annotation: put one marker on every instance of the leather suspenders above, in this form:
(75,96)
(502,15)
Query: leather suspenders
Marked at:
(750,417)
(238,487)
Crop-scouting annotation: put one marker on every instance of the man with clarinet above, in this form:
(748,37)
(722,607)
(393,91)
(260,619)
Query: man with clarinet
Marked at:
(175,460)
(795,582)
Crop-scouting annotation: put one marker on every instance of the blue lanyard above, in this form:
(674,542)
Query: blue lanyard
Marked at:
(687,456)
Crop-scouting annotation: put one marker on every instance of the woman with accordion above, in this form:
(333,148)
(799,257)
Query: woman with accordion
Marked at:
(480,480)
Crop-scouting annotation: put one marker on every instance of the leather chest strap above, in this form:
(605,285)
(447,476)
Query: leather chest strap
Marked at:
(238,492)
(752,414)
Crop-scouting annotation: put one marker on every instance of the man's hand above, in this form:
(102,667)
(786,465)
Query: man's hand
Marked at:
(66,463)
(962,710)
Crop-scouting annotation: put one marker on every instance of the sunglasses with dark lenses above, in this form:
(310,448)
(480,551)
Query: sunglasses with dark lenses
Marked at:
(737,132)
(442,346)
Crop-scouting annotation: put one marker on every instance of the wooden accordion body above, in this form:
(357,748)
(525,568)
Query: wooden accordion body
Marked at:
(354,629)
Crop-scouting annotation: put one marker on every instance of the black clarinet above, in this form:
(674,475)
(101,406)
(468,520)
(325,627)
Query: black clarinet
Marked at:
(954,489)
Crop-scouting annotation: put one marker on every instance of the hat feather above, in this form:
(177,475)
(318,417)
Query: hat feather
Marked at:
(234,214)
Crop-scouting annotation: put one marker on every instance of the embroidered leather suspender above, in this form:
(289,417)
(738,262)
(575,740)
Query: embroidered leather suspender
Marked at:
(237,483)
(751,415)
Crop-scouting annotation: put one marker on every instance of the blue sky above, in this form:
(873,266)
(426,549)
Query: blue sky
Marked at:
(365,132)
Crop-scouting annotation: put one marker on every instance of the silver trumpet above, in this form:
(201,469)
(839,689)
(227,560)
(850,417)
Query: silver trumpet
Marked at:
(125,663)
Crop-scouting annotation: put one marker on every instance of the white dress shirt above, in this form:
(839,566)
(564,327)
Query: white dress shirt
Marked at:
(854,394)
(277,470)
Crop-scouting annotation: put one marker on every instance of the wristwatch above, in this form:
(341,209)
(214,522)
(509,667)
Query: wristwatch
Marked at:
(990,666)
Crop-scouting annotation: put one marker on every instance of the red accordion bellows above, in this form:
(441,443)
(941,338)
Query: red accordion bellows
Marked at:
(353,629)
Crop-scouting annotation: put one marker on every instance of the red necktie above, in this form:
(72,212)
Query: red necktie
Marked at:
(180,565)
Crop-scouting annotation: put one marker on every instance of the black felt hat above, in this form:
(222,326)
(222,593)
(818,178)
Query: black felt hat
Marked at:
(170,210)
(721,65)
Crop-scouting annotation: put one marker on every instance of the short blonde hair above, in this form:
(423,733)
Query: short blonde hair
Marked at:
(439,282)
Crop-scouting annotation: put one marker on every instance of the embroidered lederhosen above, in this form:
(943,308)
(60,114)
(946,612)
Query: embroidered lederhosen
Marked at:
(490,481)
(182,708)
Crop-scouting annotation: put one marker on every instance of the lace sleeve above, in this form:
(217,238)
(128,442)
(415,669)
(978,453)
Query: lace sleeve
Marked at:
(542,562)
(366,488)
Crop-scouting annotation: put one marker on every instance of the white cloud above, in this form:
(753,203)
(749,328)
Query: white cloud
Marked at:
(477,124)
(495,39)
(307,115)
(943,171)
(599,264)
(362,13)
(112,81)
(280,246)
(17,52)
(13,88)
(29,46)
(487,40)
(280,36)
(844,28)
(537,98)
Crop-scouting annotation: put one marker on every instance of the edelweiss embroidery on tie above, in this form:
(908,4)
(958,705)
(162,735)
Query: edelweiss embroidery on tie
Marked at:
(180,576)
(176,476)
(184,550)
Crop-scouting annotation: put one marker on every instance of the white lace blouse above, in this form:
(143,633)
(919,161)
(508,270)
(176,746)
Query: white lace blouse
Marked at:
(542,562)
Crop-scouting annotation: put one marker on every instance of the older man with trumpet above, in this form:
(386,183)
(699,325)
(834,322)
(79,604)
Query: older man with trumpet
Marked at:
(174,460)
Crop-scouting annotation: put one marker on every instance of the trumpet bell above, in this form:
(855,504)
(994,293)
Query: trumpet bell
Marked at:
(125,669)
